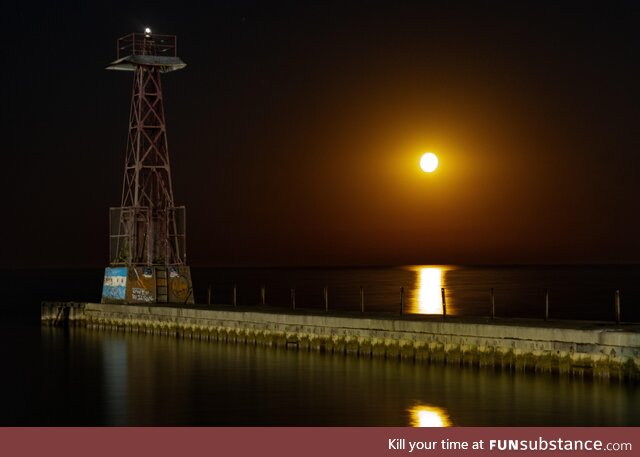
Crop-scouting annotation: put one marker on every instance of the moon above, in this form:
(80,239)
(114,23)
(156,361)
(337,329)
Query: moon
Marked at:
(429,162)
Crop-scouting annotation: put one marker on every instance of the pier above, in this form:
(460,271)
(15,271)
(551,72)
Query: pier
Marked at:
(575,348)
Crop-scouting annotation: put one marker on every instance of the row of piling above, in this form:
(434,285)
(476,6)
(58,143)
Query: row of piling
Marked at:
(325,299)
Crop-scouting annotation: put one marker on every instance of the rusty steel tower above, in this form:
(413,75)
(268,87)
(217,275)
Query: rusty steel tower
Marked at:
(147,240)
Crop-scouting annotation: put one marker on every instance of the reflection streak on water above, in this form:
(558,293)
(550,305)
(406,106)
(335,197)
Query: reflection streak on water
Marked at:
(429,416)
(140,380)
(429,285)
(115,366)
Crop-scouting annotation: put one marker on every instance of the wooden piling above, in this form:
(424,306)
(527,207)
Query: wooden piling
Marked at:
(293,298)
(401,299)
(617,304)
(209,295)
(235,295)
(263,295)
(361,299)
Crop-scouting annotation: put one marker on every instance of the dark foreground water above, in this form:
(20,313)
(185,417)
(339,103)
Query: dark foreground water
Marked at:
(89,377)
(54,376)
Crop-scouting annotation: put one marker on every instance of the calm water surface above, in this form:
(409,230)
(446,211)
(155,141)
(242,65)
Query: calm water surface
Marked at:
(575,292)
(90,377)
(55,376)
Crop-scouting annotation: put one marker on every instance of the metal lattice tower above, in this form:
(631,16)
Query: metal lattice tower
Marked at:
(147,229)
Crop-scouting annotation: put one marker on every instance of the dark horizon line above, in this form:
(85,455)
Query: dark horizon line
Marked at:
(355,266)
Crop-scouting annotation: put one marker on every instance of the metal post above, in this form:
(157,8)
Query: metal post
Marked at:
(401,299)
(617,302)
(444,304)
(293,298)
(361,299)
(493,304)
(209,295)
(546,304)
(263,293)
(235,295)
(326,298)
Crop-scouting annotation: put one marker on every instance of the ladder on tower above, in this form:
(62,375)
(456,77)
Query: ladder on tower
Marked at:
(162,285)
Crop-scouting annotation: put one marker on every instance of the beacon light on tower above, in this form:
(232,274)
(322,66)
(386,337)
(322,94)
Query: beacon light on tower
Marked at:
(147,238)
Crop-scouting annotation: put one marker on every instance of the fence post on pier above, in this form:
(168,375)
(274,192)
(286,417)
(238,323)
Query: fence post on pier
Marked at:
(546,304)
(401,299)
(444,304)
(293,298)
(235,295)
(361,299)
(209,295)
(263,293)
(326,298)
(493,304)
(617,303)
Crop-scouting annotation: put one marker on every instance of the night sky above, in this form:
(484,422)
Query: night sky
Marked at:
(296,129)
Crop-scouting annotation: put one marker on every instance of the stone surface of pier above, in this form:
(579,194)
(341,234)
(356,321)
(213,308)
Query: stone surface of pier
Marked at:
(591,349)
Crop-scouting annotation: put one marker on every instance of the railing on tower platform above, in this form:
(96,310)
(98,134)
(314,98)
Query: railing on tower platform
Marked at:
(137,44)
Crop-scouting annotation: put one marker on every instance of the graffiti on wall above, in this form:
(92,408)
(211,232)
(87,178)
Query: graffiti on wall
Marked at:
(115,283)
(139,294)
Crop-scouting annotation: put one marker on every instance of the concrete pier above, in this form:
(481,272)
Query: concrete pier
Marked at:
(597,350)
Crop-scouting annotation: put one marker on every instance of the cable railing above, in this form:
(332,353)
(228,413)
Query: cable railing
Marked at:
(493,303)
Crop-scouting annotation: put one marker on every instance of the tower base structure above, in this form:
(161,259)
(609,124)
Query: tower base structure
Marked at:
(154,284)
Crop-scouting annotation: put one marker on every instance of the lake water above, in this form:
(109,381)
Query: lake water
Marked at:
(90,377)
(574,292)
(54,376)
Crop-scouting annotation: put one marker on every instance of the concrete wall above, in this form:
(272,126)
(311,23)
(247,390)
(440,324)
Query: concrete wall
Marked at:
(576,349)
(139,285)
